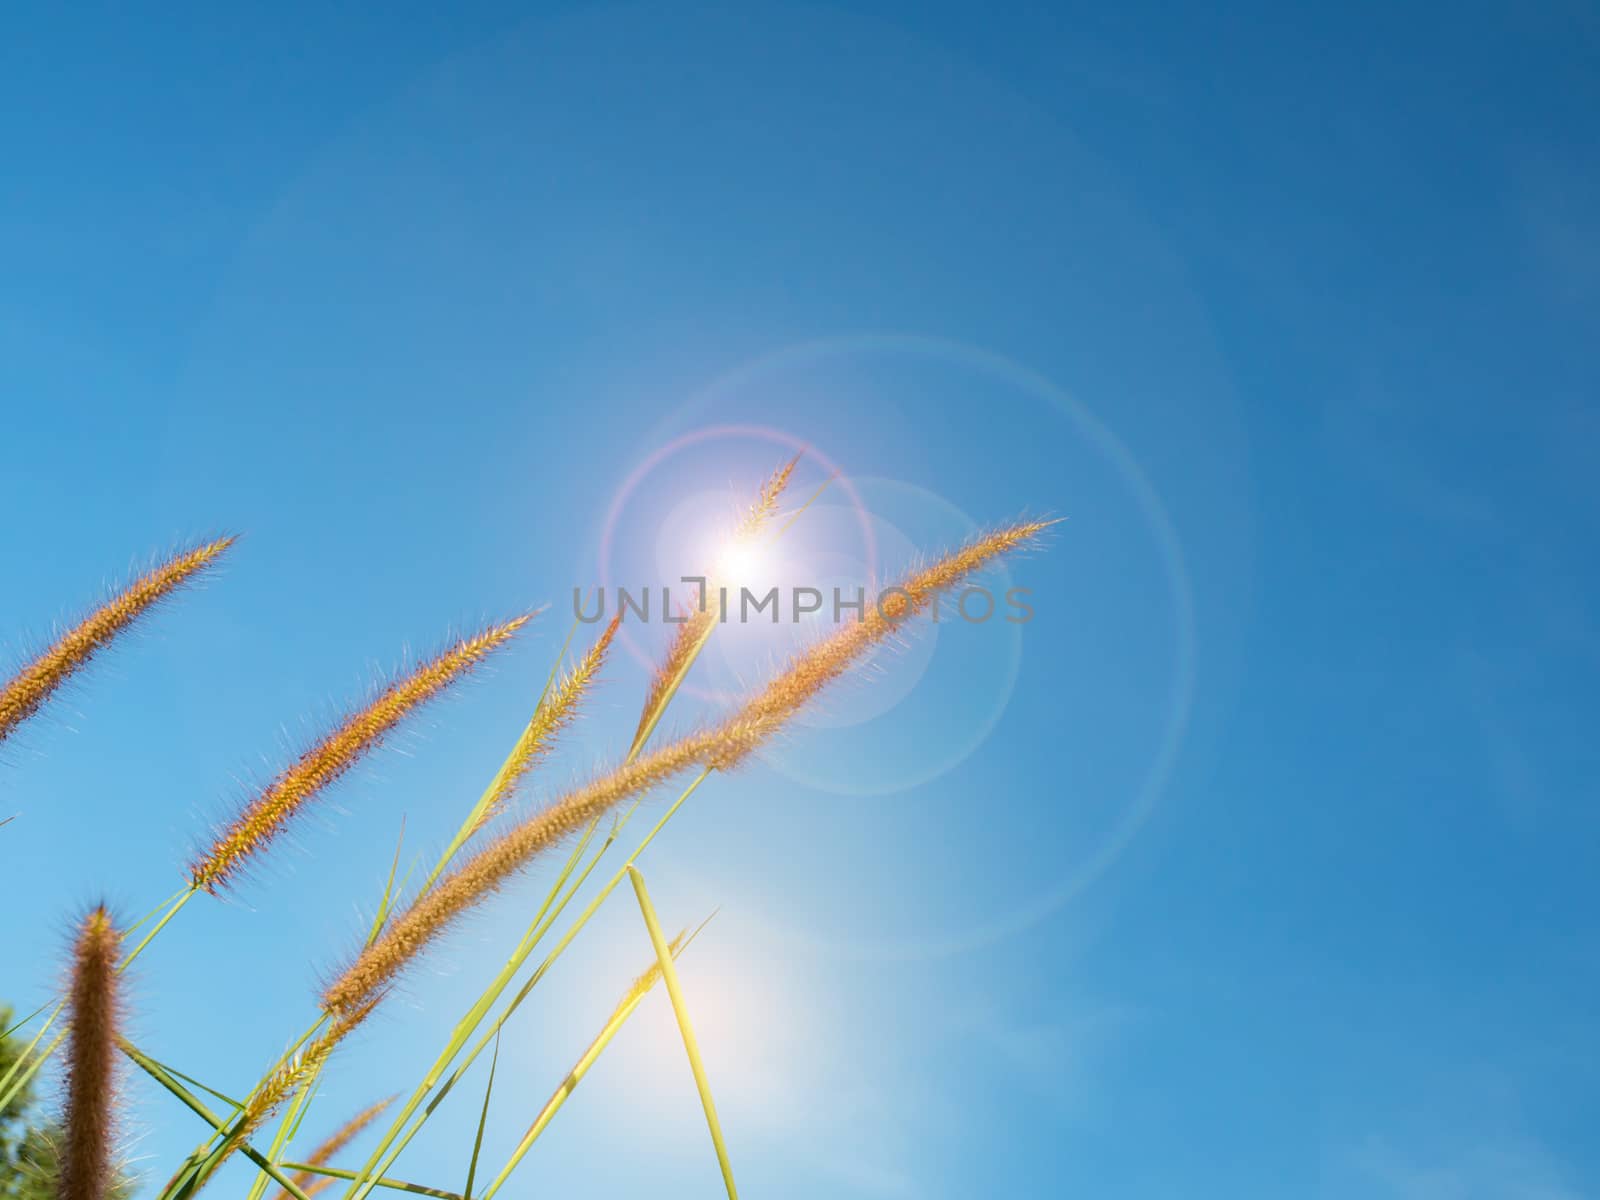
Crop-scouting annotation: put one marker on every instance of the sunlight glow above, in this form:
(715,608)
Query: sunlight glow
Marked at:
(740,561)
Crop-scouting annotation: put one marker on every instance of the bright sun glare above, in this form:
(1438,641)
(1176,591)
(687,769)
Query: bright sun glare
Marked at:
(741,561)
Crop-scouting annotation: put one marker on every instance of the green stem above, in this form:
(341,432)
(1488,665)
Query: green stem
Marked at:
(383,1157)
(399,1185)
(174,910)
(680,1009)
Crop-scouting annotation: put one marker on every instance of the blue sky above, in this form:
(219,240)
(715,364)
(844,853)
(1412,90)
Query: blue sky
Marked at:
(1260,862)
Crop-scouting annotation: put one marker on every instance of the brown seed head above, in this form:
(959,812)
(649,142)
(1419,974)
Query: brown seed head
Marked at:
(766,501)
(558,710)
(27,691)
(811,670)
(86,1170)
(311,1183)
(692,633)
(265,816)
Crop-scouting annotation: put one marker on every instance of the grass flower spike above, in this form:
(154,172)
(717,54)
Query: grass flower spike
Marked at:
(811,670)
(25,693)
(694,632)
(265,816)
(724,745)
(91,1060)
(559,709)
(310,1183)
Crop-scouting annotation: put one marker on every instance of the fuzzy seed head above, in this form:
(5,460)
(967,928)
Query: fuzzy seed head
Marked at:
(361,732)
(26,692)
(766,501)
(559,709)
(692,634)
(808,672)
(310,1183)
(86,1169)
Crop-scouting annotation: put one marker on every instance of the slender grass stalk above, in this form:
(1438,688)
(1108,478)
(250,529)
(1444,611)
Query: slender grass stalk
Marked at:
(93,1016)
(399,1185)
(483,1119)
(16,1025)
(626,1007)
(724,745)
(265,816)
(680,1009)
(172,910)
(28,690)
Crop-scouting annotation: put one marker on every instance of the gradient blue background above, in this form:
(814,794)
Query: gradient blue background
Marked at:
(1275,874)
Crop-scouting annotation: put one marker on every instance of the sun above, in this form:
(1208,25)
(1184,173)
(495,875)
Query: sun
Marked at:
(741,560)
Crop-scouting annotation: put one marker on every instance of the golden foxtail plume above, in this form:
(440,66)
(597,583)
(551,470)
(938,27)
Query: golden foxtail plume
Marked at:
(692,634)
(310,1183)
(265,816)
(27,691)
(721,746)
(812,669)
(766,502)
(91,1060)
(558,710)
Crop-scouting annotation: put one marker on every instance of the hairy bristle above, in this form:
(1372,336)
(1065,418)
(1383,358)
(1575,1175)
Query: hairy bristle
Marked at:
(557,711)
(265,816)
(26,692)
(311,1183)
(721,746)
(91,1060)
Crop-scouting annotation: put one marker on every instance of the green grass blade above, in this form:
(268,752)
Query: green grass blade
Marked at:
(691,1047)
(399,1185)
(382,914)
(173,910)
(28,1063)
(628,1006)
(24,1021)
(483,1119)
